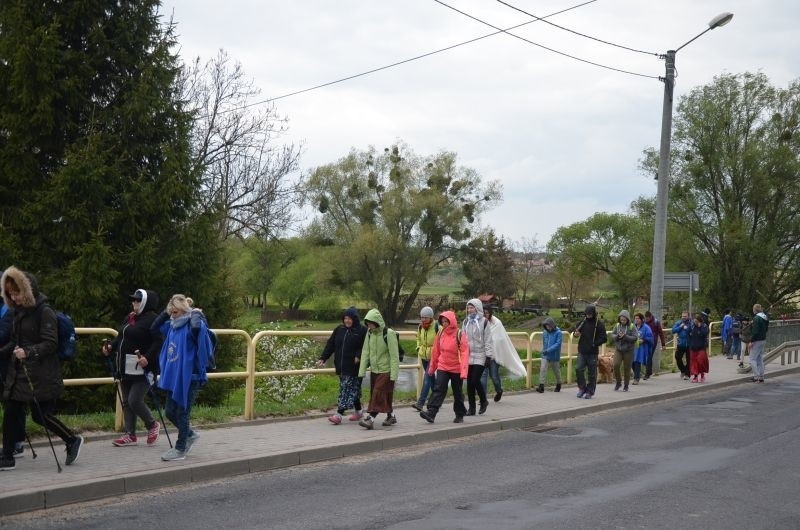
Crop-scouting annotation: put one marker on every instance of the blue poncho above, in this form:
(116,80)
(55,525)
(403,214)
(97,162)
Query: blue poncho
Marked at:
(184,357)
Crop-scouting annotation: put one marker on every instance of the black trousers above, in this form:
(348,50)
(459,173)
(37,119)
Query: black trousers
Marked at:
(681,353)
(14,423)
(474,385)
(440,392)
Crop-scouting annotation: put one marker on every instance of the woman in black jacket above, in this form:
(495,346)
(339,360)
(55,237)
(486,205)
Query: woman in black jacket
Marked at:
(345,345)
(136,351)
(34,371)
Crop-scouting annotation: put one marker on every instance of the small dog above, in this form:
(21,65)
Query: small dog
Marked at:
(605,369)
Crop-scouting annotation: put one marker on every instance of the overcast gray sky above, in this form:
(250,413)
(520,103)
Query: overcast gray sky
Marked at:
(564,137)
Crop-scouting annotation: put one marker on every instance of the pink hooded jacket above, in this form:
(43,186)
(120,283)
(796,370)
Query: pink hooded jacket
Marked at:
(445,355)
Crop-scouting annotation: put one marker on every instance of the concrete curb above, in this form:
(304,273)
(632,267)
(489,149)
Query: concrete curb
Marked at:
(174,475)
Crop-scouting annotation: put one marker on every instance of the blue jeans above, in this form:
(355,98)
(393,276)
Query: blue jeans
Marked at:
(494,371)
(180,416)
(736,347)
(428,382)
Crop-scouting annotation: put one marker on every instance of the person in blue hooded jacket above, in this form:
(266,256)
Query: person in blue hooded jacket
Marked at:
(645,347)
(183,361)
(681,330)
(551,354)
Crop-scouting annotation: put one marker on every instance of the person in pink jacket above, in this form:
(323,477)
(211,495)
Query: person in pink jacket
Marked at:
(449,363)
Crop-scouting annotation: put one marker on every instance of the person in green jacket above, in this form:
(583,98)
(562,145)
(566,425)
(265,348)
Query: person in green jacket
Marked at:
(381,354)
(426,335)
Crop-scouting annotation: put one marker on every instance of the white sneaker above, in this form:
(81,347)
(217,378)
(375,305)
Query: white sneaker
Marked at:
(173,454)
(191,440)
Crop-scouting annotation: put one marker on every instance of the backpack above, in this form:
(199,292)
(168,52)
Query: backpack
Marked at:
(400,349)
(67,338)
(211,361)
(736,326)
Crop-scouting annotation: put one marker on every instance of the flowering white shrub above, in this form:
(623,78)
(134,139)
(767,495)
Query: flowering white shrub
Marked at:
(283,353)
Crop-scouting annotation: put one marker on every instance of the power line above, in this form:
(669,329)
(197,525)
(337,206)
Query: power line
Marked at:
(398,63)
(545,47)
(578,32)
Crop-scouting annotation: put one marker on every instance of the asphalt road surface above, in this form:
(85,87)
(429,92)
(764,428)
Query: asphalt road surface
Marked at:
(727,459)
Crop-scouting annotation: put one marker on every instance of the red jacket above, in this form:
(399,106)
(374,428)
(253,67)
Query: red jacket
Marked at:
(450,352)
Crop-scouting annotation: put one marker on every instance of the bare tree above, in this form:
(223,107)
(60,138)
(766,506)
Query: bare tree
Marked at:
(528,249)
(246,176)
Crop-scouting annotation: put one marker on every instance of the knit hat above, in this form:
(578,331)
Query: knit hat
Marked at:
(426,312)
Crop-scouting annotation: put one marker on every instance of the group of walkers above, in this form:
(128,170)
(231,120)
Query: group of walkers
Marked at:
(174,346)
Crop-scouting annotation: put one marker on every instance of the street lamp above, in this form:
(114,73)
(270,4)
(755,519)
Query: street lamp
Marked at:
(660,235)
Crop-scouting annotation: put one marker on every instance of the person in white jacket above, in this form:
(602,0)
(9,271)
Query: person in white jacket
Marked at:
(477,331)
(505,355)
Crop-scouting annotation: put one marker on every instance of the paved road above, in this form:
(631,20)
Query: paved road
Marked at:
(723,459)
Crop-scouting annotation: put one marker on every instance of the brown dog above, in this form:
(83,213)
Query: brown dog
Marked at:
(605,369)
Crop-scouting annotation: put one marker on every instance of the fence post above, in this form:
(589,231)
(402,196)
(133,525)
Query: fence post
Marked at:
(529,363)
(250,382)
(569,357)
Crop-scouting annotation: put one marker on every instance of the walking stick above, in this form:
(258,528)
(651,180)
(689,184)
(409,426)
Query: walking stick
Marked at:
(44,420)
(33,452)
(151,380)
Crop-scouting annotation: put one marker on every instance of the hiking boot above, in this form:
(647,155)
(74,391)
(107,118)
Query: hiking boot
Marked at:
(74,450)
(190,440)
(173,454)
(540,389)
(580,393)
(625,388)
(471,411)
(125,440)
(336,419)
(152,433)
(389,421)
(366,422)
(427,416)
(498,395)
(417,406)
(588,395)
(617,386)
(483,407)
(355,416)
(7,464)
(557,388)
(458,419)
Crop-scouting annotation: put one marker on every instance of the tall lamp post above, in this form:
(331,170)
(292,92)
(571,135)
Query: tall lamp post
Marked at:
(660,235)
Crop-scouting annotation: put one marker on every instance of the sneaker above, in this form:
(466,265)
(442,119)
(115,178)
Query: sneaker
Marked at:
(173,454)
(760,379)
(540,389)
(7,464)
(617,386)
(427,416)
(557,388)
(125,440)
(417,407)
(366,422)
(483,407)
(152,434)
(74,450)
(498,395)
(636,381)
(336,419)
(694,379)
(459,419)
(625,388)
(702,378)
(685,377)
(19,451)
(190,440)
(581,393)
(355,416)
(389,421)
(646,377)
(471,412)
(588,395)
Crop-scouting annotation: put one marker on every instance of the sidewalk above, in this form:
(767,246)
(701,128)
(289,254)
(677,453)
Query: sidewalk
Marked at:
(105,471)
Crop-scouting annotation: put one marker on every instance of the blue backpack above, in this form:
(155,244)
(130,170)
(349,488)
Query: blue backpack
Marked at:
(67,338)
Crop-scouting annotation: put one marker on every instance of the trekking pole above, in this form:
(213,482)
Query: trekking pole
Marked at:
(33,452)
(151,380)
(116,382)
(44,420)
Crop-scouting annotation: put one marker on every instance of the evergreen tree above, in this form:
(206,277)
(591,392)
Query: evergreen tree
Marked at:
(96,197)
